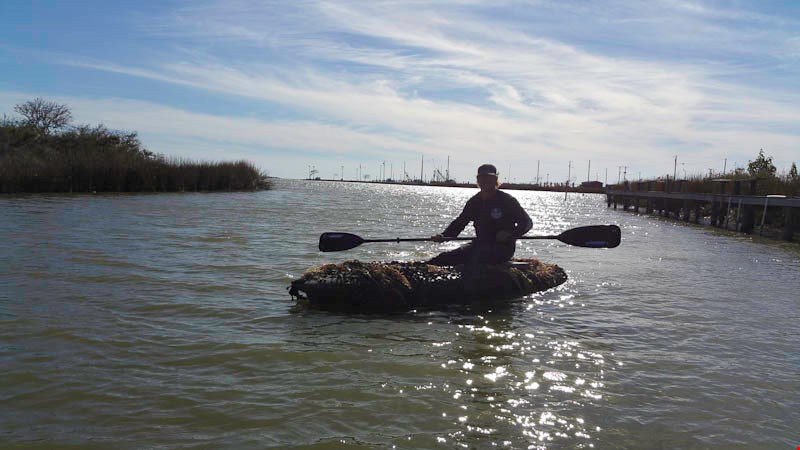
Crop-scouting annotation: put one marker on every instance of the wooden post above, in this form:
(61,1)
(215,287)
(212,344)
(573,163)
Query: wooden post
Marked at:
(748,219)
(788,223)
(738,215)
(728,212)
(714,213)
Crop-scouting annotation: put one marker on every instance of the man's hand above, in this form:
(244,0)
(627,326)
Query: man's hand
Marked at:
(437,238)
(503,237)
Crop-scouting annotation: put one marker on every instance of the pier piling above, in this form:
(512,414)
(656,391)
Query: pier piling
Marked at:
(720,205)
(788,223)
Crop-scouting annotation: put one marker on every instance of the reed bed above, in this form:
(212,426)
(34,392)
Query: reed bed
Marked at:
(96,159)
(784,184)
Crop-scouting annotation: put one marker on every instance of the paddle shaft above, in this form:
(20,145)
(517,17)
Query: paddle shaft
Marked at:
(448,239)
(596,236)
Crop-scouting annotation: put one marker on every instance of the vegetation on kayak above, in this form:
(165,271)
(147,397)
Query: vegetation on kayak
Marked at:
(377,287)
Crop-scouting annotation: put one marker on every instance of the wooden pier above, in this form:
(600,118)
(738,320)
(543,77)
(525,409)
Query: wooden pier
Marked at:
(732,211)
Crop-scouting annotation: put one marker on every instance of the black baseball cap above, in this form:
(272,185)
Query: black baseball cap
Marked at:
(487,169)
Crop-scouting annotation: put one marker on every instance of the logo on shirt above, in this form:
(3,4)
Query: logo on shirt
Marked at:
(496,213)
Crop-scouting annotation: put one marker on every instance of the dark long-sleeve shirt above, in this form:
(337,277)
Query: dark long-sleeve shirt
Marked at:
(501,212)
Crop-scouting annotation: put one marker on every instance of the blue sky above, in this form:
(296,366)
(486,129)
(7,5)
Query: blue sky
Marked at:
(333,84)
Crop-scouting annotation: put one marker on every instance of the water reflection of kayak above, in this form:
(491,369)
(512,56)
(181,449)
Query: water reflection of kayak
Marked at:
(399,286)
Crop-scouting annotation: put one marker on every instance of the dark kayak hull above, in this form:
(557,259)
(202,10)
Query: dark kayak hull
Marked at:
(378,287)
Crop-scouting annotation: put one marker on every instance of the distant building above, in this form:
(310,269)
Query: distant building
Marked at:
(592,185)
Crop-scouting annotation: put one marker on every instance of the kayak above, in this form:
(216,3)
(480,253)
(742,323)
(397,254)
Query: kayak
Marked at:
(382,287)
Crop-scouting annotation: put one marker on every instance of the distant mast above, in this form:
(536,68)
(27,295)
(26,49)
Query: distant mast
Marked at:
(422,170)
(566,186)
(448,168)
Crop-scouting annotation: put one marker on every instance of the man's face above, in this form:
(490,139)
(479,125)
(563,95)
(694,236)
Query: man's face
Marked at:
(487,182)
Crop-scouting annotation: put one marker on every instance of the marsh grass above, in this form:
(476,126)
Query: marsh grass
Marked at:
(784,184)
(775,218)
(96,159)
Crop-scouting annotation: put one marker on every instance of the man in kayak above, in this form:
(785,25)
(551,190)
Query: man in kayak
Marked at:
(498,219)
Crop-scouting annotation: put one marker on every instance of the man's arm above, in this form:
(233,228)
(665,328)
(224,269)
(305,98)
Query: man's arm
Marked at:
(460,222)
(523,220)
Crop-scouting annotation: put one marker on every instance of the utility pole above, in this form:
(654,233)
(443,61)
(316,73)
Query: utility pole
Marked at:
(725,167)
(537,172)
(589,171)
(448,168)
(625,173)
(569,174)
(675,172)
(619,172)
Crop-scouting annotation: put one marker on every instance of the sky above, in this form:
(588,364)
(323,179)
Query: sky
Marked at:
(560,89)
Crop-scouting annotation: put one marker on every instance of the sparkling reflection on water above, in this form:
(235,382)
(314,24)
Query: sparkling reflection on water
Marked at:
(162,321)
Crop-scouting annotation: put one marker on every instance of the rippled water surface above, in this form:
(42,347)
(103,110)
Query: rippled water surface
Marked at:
(163,321)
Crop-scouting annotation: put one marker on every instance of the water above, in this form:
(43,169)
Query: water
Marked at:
(163,321)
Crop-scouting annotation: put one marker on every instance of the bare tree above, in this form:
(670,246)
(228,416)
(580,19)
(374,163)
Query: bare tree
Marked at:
(44,115)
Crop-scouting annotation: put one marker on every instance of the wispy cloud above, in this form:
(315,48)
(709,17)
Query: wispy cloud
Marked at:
(477,80)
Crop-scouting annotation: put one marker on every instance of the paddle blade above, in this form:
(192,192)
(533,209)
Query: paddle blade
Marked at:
(336,242)
(592,236)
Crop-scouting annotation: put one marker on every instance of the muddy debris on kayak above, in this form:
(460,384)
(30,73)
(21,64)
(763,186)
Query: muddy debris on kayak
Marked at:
(376,287)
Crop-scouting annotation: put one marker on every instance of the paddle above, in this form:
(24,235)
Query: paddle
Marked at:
(592,236)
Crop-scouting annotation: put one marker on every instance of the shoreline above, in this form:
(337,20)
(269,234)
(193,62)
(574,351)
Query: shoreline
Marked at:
(509,186)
